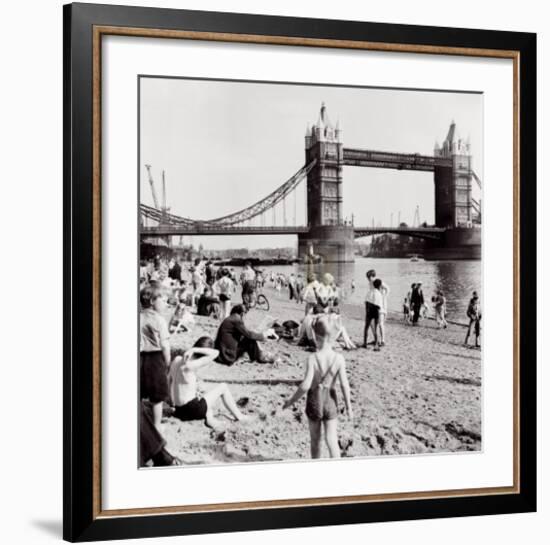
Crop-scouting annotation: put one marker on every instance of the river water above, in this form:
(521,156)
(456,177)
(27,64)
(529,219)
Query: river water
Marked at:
(457,279)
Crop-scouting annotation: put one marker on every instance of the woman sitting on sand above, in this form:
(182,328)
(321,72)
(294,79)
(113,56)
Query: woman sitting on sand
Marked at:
(306,334)
(322,370)
(326,292)
(310,292)
(183,386)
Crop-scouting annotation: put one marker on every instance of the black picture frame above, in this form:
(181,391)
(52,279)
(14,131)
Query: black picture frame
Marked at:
(82,520)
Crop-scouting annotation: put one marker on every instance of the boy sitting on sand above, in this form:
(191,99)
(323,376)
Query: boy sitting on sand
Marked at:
(183,386)
(322,371)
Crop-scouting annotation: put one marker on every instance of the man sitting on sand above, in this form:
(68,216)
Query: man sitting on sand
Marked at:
(234,339)
(183,386)
(208,304)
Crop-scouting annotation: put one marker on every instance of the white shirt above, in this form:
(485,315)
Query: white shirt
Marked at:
(383,291)
(248,274)
(309,293)
(225,285)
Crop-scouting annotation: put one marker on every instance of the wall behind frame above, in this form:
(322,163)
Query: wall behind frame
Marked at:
(31,143)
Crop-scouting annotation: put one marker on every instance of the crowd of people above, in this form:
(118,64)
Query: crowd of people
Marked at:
(168,377)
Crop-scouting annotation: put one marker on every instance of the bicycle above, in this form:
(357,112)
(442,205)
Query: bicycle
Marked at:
(257,299)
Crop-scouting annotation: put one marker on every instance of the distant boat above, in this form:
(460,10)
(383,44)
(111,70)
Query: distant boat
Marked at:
(415,258)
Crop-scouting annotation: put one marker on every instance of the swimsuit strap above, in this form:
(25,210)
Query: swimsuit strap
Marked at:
(322,382)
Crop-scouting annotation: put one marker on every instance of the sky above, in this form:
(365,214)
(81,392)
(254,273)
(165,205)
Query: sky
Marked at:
(225,144)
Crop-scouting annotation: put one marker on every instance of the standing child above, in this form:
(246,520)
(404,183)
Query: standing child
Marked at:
(440,306)
(299,293)
(474,313)
(373,304)
(383,312)
(323,369)
(154,350)
(406,310)
(225,287)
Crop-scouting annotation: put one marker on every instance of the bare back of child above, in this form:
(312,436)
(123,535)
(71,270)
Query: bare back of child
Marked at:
(323,370)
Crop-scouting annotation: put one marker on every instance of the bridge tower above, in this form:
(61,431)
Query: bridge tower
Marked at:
(453,183)
(453,201)
(329,236)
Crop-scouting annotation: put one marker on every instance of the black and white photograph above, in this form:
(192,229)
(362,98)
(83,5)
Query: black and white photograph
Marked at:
(310,271)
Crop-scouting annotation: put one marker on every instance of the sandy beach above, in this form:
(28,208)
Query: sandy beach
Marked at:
(421,393)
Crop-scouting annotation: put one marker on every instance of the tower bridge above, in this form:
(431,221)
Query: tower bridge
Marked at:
(456,233)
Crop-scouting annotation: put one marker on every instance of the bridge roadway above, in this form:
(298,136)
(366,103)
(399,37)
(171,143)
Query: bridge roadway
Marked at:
(187,230)
(400,161)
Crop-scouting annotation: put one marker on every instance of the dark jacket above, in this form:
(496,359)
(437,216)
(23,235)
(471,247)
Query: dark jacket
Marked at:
(230,334)
(175,272)
(417,297)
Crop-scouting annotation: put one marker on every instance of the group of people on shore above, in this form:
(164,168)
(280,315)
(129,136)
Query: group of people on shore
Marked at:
(415,308)
(168,377)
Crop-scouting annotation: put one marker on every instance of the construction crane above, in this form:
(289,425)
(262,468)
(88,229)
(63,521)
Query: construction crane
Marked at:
(153,190)
(165,209)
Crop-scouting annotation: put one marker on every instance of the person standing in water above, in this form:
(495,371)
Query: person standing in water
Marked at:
(323,370)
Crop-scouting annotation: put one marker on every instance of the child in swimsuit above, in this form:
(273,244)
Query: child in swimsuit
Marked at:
(183,386)
(406,310)
(323,369)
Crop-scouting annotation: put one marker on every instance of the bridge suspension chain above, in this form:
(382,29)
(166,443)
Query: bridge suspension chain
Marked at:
(241,216)
(294,217)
